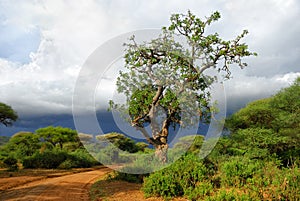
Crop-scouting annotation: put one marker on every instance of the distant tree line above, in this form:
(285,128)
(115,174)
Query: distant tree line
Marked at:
(49,147)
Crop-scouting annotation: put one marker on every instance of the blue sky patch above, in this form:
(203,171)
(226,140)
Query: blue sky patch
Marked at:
(16,44)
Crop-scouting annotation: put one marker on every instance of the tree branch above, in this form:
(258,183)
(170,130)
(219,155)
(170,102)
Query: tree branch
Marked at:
(145,134)
(207,66)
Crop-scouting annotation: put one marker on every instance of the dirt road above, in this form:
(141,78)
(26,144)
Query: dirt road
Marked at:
(70,187)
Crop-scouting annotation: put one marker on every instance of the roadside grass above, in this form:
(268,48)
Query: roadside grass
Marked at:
(102,188)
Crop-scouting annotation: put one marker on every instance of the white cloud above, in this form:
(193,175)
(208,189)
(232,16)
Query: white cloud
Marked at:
(69,32)
(243,89)
(274,30)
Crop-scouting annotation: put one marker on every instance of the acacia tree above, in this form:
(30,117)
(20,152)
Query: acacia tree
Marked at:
(164,81)
(119,140)
(7,115)
(57,135)
(23,144)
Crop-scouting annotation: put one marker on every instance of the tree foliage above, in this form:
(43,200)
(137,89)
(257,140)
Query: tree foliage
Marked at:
(191,143)
(23,144)
(165,78)
(120,141)
(57,135)
(49,147)
(7,115)
(269,126)
(255,114)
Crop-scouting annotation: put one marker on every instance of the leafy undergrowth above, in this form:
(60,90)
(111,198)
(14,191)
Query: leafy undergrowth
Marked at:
(234,178)
(238,178)
(220,177)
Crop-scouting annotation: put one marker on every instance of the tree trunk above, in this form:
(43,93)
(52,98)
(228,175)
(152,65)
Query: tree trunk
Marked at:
(161,147)
(161,152)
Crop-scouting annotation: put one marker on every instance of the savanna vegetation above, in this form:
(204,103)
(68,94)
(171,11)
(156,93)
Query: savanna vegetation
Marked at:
(49,147)
(113,148)
(258,157)
(258,160)
(57,147)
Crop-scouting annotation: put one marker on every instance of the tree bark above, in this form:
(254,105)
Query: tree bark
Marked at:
(161,152)
(161,146)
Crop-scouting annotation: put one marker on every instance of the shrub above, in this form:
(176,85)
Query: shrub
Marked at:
(162,184)
(48,159)
(285,184)
(81,158)
(11,163)
(201,190)
(67,164)
(231,195)
(238,170)
(180,178)
(132,178)
(140,168)
(108,155)
(58,158)
(275,184)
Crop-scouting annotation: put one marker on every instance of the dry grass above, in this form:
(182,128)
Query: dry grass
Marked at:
(112,190)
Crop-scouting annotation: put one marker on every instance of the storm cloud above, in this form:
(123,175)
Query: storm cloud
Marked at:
(44,45)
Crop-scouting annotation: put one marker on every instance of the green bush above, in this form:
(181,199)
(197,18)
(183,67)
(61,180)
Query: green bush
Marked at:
(268,182)
(200,191)
(286,184)
(180,178)
(140,168)
(108,155)
(67,164)
(232,195)
(277,184)
(162,184)
(11,163)
(237,170)
(48,159)
(58,158)
(132,178)
(81,158)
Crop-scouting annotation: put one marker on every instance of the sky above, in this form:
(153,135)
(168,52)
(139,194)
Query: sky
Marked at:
(45,44)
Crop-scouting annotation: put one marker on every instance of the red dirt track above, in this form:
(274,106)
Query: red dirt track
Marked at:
(69,187)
